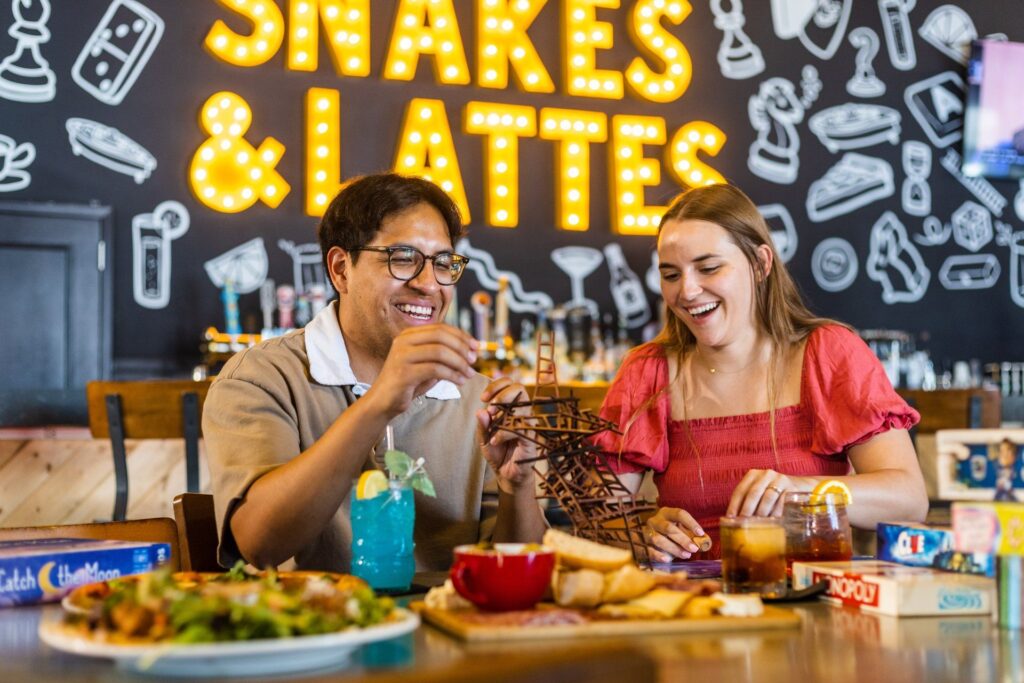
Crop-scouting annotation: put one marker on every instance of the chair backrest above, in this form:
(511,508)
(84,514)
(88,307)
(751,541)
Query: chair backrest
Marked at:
(197,532)
(153,530)
(149,409)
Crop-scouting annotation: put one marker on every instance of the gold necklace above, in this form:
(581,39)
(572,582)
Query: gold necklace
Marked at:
(715,371)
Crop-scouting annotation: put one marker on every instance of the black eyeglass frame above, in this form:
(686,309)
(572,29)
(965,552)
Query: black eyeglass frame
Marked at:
(423,263)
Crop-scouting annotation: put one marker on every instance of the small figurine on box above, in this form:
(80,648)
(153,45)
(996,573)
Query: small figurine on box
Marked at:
(1006,461)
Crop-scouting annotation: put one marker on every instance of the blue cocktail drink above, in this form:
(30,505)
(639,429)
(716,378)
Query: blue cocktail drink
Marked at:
(382,542)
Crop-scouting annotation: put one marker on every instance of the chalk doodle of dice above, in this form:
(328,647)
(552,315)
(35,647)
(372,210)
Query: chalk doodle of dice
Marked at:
(307,265)
(738,56)
(152,234)
(487,274)
(774,111)
(782,229)
(864,82)
(117,51)
(854,125)
(15,158)
(110,148)
(652,278)
(578,262)
(854,181)
(972,226)
(916,193)
(937,104)
(969,271)
(626,289)
(895,263)
(819,25)
(933,232)
(899,39)
(244,266)
(979,187)
(25,75)
(834,264)
(949,30)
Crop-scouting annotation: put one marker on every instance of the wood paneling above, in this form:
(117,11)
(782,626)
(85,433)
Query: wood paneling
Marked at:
(51,481)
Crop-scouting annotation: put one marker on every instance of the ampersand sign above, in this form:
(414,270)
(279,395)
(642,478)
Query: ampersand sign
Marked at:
(228,174)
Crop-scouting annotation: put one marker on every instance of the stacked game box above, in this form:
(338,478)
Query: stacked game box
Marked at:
(46,570)
(897,590)
(924,545)
(988,527)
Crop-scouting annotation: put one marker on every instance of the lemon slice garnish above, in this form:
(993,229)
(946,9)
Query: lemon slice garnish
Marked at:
(371,484)
(834,486)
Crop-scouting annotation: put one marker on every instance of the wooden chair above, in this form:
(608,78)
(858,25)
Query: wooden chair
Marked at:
(197,532)
(154,530)
(151,409)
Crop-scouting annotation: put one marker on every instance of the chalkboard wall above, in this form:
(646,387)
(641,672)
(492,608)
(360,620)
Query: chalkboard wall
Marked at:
(761,72)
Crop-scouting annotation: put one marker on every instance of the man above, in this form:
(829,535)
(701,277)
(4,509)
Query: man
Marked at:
(291,423)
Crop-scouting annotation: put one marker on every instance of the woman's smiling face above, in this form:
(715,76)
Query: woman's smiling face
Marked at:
(707,281)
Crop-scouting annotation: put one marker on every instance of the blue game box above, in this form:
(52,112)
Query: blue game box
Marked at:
(923,545)
(45,570)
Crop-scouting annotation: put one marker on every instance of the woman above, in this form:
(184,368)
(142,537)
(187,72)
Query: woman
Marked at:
(745,395)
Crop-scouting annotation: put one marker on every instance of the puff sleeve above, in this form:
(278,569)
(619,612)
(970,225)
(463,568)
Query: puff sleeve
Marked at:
(644,444)
(847,392)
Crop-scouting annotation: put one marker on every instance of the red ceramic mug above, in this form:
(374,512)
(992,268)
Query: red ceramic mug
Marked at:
(509,576)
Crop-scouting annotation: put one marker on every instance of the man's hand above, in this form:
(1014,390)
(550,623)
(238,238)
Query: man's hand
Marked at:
(506,451)
(419,357)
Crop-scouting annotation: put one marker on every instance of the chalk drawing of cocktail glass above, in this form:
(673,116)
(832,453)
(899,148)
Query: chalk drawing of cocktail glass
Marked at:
(578,263)
(307,264)
(151,258)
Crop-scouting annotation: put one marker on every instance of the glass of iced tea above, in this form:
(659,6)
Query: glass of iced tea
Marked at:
(817,531)
(753,555)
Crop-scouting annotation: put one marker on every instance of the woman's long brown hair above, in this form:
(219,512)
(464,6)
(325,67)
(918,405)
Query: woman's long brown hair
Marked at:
(781,313)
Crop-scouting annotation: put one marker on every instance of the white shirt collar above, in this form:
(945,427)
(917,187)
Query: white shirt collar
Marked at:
(329,363)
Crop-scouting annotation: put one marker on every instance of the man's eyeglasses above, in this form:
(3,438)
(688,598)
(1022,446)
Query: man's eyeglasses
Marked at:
(406,263)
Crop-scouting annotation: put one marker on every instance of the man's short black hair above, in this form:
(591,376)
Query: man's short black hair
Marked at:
(356,213)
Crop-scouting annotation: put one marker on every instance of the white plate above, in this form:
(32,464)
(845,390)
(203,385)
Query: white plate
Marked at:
(245,658)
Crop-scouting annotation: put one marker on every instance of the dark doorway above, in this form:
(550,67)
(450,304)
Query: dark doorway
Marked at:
(55,310)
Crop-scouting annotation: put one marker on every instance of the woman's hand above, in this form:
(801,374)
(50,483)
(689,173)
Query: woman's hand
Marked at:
(670,533)
(760,493)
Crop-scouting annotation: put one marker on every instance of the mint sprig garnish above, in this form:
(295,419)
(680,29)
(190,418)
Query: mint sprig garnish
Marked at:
(403,468)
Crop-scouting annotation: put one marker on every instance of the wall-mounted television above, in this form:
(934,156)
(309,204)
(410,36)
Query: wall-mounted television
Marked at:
(994,118)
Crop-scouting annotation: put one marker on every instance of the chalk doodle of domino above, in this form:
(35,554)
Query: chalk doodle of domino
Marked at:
(834,264)
(152,234)
(793,18)
(782,229)
(934,232)
(969,271)
(117,51)
(899,40)
(519,300)
(979,187)
(244,266)
(895,263)
(110,148)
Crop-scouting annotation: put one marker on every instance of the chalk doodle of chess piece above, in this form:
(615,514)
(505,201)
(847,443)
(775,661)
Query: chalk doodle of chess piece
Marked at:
(774,113)
(229,174)
(24,75)
(864,82)
(898,37)
(1018,201)
(895,263)
(738,56)
(652,278)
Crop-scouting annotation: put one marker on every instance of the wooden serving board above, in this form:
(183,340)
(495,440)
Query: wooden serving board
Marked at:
(454,623)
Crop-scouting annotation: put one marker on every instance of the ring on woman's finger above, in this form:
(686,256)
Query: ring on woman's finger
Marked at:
(775,488)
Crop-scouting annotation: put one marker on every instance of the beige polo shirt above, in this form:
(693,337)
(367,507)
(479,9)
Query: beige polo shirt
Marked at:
(273,401)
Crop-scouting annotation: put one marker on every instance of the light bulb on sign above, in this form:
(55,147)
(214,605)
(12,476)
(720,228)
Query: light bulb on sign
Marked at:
(502,40)
(659,46)
(421,26)
(503,125)
(425,136)
(584,35)
(346,29)
(681,153)
(255,48)
(574,131)
(630,172)
(323,148)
